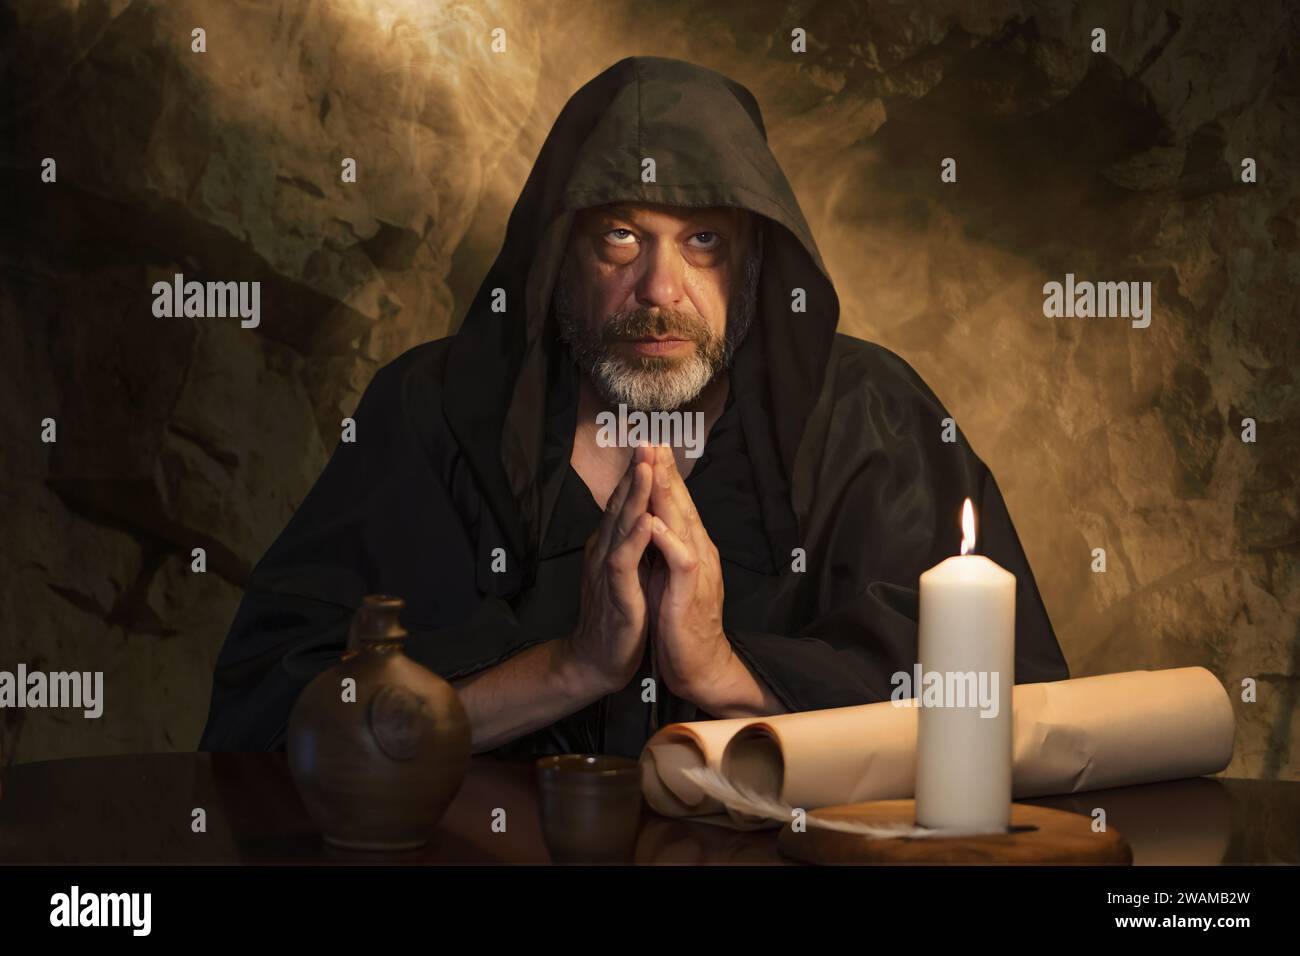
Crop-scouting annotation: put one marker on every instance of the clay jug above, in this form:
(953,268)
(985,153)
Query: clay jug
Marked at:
(376,766)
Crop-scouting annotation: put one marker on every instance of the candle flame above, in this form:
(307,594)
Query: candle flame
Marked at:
(967,528)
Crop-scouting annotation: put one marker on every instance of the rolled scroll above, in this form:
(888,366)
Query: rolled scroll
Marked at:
(1087,733)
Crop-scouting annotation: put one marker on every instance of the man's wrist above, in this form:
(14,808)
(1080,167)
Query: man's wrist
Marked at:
(732,689)
(706,688)
(572,676)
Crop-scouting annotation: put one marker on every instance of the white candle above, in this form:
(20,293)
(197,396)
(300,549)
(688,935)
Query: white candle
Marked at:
(967,669)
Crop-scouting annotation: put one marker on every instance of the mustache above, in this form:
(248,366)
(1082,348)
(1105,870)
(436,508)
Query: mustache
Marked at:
(640,323)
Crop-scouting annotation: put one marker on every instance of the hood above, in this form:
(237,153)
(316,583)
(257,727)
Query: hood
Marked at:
(707,137)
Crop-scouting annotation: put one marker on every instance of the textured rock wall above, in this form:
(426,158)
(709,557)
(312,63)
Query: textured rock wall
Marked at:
(176,434)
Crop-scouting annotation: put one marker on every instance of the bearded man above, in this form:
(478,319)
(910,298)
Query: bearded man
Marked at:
(582,594)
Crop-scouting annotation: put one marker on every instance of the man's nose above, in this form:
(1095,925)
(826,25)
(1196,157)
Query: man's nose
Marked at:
(660,284)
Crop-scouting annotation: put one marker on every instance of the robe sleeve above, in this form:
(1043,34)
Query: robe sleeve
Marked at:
(378,520)
(888,510)
(280,642)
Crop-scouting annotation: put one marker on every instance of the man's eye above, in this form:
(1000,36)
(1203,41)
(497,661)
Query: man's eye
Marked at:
(618,240)
(712,242)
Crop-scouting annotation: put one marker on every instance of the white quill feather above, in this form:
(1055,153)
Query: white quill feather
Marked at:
(742,799)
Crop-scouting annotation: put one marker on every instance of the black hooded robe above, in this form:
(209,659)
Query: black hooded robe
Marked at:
(825,483)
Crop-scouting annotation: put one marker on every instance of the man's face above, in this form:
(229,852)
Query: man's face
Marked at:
(653,299)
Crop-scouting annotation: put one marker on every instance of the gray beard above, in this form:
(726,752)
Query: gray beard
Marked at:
(651,383)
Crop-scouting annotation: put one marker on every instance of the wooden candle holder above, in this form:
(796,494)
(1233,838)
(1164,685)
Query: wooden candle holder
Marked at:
(1038,835)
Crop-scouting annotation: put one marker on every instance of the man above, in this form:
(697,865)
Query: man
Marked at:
(581,593)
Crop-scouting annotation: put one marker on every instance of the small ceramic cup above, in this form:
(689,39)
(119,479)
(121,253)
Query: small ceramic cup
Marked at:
(590,807)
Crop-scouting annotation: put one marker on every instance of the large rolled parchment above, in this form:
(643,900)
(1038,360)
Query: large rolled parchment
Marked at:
(1070,735)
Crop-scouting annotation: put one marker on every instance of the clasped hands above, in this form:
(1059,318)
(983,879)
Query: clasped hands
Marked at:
(671,593)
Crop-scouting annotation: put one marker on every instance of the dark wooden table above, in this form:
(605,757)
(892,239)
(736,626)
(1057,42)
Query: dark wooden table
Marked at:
(139,809)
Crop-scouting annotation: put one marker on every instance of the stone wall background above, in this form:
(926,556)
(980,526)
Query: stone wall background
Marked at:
(180,433)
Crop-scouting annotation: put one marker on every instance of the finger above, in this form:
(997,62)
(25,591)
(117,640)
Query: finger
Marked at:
(613,507)
(663,502)
(639,454)
(624,560)
(681,497)
(680,556)
(638,497)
